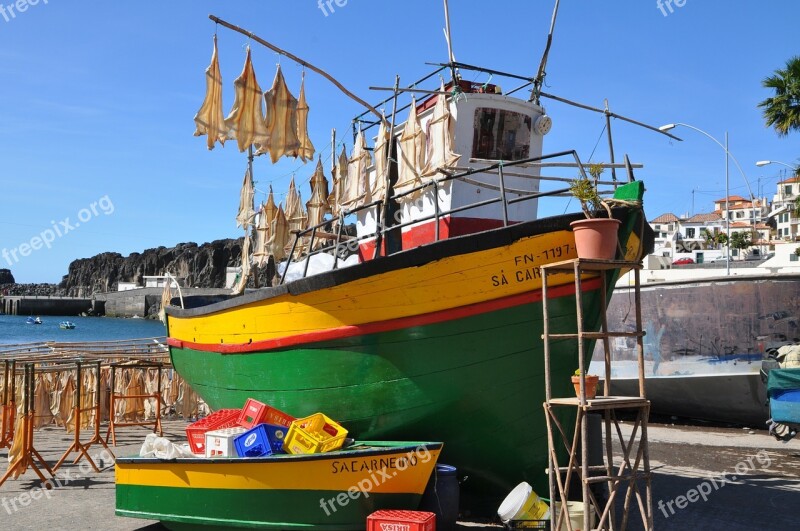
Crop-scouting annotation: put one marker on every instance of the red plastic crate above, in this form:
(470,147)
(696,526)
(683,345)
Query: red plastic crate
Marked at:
(401,521)
(255,413)
(196,431)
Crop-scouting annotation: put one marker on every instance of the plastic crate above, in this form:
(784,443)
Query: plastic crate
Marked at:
(276,435)
(784,406)
(255,413)
(314,434)
(253,443)
(196,431)
(401,521)
(220,443)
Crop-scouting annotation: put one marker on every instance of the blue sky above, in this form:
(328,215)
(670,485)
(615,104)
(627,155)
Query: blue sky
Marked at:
(97,100)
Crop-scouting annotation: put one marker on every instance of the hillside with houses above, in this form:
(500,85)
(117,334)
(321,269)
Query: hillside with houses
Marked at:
(755,226)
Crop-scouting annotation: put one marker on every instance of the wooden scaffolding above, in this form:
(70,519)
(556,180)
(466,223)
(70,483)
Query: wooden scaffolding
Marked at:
(632,473)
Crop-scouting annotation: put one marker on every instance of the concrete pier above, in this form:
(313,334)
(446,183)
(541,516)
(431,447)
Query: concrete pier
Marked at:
(15,305)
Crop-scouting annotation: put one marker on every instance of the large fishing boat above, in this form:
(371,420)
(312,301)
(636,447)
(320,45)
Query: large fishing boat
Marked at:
(435,334)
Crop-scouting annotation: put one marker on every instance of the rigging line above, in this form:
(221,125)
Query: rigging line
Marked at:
(597,143)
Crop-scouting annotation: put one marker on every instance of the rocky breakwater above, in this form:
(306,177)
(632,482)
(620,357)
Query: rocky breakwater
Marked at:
(6,277)
(200,266)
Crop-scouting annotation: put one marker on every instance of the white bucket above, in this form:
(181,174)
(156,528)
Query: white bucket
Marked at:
(523,504)
(575,515)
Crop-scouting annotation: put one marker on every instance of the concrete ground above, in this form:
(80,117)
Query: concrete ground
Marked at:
(760,487)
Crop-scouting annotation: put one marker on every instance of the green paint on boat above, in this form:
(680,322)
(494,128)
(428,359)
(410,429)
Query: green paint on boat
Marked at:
(475,383)
(189,508)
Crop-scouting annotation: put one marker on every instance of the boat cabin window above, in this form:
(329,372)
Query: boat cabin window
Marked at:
(501,135)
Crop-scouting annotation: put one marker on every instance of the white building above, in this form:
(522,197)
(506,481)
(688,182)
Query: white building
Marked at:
(784,211)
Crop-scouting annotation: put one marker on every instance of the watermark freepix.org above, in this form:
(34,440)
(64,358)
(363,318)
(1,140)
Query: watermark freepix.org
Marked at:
(9,11)
(666,6)
(714,483)
(58,230)
(103,459)
(382,471)
(326,6)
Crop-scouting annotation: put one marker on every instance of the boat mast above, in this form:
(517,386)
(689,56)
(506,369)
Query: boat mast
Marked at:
(539,81)
(449,36)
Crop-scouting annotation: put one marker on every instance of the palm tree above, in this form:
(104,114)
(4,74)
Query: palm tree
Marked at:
(782,111)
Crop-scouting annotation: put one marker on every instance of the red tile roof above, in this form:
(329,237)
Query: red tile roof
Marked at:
(703,218)
(666,218)
(732,198)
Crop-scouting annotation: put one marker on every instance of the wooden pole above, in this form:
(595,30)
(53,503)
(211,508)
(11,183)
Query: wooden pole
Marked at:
(297,60)
(610,141)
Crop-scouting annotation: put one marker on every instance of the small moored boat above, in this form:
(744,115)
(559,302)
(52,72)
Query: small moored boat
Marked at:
(66,325)
(334,490)
(33,320)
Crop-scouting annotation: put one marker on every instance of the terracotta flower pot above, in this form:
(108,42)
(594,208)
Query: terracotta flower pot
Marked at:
(591,385)
(596,238)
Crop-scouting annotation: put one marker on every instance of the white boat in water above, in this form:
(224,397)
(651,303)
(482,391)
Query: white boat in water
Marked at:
(706,334)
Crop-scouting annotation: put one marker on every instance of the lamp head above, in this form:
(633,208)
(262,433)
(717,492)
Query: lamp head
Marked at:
(666,127)
(763,163)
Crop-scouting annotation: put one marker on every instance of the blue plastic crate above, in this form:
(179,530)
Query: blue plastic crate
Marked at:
(276,435)
(785,407)
(253,443)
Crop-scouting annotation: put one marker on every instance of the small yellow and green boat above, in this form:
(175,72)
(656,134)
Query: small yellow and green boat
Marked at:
(329,491)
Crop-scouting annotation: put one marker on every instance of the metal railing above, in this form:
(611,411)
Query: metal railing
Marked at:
(383,225)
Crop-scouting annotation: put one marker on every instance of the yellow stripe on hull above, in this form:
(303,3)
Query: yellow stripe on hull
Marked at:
(401,472)
(452,282)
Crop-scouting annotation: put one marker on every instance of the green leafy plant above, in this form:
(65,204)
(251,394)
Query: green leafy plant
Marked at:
(797,251)
(585,191)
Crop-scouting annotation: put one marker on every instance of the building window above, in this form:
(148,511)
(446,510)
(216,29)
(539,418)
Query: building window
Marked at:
(740,214)
(787,190)
(656,228)
(690,233)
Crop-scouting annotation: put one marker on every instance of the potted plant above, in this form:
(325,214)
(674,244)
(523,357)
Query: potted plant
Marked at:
(591,382)
(595,237)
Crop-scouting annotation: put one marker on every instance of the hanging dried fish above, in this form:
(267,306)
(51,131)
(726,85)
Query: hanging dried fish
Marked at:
(209,120)
(246,197)
(296,217)
(412,155)
(317,206)
(339,180)
(245,122)
(441,131)
(305,149)
(280,235)
(266,216)
(281,123)
(356,187)
(380,175)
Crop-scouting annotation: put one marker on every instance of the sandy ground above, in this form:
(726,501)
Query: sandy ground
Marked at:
(760,487)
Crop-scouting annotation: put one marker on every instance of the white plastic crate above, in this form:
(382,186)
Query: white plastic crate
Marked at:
(219,443)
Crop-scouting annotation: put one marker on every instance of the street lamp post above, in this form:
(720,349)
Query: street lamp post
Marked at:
(727,194)
(761,163)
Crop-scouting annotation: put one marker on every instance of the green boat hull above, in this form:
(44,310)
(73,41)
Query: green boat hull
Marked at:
(475,383)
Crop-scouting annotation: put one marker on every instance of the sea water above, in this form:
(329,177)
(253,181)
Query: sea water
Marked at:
(14,330)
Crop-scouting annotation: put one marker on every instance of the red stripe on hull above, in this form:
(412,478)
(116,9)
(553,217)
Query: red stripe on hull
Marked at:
(425,233)
(385,326)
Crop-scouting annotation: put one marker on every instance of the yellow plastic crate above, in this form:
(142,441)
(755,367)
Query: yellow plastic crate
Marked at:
(314,434)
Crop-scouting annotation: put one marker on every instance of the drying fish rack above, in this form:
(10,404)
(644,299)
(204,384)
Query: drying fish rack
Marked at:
(21,366)
(113,424)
